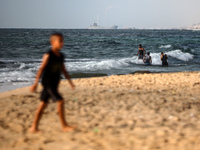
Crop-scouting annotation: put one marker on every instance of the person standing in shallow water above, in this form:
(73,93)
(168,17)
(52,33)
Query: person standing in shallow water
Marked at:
(147,59)
(141,52)
(164,58)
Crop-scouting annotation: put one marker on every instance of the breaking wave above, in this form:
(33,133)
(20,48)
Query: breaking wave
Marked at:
(119,63)
(165,46)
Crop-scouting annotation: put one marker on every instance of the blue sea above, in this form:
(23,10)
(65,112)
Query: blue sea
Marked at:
(90,53)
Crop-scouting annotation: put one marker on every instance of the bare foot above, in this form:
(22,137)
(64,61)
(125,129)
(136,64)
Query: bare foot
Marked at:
(68,128)
(34,130)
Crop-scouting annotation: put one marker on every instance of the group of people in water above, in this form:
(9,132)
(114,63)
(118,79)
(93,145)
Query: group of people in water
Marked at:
(50,72)
(147,58)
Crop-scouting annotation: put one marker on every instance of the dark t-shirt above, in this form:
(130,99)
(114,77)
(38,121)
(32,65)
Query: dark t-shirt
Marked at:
(53,70)
(141,52)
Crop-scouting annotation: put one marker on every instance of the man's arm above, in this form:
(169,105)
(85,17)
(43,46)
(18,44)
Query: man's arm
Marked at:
(138,52)
(68,77)
(161,57)
(144,51)
(39,73)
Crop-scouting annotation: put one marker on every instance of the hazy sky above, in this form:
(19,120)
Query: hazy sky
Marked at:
(83,13)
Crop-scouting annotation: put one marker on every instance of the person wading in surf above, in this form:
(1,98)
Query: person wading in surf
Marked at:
(141,52)
(147,59)
(164,58)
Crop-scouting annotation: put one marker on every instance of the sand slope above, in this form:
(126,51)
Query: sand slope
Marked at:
(129,112)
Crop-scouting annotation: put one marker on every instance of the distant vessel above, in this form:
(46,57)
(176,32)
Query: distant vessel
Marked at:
(96,26)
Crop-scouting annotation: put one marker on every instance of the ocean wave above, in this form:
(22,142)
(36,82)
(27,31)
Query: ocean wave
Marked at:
(22,65)
(110,42)
(18,72)
(1,62)
(96,65)
(104,64)
(165,46)
(120,63)
(17,76)
(178,54)
(25,72)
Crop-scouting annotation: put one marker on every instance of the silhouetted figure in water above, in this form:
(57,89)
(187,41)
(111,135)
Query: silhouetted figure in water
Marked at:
(164,58)
(141,52)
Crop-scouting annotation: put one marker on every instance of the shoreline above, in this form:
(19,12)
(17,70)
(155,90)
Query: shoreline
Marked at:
(140,111)
(89,76)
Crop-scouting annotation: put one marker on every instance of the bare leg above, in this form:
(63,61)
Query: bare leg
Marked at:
(39,112)
(61,113)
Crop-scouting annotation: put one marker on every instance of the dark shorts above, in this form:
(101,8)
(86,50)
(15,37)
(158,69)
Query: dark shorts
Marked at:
(164,63)
(140,57)
(50,92)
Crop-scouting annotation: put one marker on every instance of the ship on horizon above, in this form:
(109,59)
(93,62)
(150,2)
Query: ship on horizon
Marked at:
(96,26)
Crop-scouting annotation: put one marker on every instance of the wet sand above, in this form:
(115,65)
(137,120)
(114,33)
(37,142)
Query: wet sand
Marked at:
(128,112)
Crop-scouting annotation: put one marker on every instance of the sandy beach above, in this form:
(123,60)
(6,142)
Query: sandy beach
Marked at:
(126,112)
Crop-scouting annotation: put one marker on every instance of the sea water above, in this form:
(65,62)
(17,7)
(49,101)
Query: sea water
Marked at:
(91,53)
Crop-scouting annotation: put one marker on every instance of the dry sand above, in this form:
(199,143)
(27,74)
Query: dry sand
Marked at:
(128,112)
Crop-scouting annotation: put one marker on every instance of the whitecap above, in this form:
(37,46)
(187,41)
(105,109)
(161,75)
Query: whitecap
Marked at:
(165,46)
(178,54)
